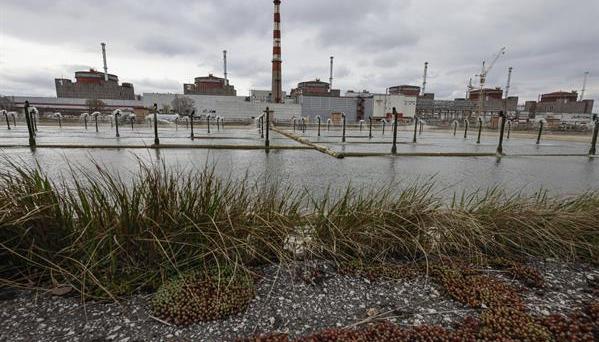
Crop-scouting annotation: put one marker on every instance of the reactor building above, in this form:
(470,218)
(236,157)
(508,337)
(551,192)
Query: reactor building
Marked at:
(93,84)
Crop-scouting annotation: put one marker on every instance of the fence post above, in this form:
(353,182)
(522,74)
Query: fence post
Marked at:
(455,127)
(593,149)
(540,132)
(509,129)
(193,113)
(6,117)
(29,125)
(267,141)
(480,129)
(466,125)
(394,147)
(156,140)
(318,118)
(421,126)
(343,139)
(116,122)
(500,146)
(415,129)
(208,120)
(370,127)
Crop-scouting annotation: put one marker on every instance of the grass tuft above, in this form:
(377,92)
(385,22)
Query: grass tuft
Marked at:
(108,236)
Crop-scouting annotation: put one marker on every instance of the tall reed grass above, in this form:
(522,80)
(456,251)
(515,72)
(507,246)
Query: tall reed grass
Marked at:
(106,236)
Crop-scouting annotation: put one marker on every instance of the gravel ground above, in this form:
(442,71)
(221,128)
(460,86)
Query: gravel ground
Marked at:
(284,303)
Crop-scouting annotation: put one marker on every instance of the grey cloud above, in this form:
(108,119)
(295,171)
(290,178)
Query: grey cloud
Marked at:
(168,46)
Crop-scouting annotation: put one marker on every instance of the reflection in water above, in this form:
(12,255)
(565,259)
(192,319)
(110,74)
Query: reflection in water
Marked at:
(316,171)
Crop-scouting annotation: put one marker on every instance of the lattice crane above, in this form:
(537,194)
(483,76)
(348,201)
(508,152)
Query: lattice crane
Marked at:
(483,77)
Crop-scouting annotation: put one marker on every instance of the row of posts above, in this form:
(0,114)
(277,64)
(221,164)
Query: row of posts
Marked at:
(32,128)
(418,123)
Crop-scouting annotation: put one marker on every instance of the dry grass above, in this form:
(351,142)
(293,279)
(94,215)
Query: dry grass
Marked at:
(106,236)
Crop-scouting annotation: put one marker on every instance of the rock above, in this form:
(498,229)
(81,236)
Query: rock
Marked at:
(60,290)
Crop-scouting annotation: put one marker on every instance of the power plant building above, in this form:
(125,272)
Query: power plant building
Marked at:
(493,103)
(229,107)
(94,85)
(210,85)
(315,88)
(359,107)
(489,94)
(77,106)
(408,90)
(325,106)
(560,102)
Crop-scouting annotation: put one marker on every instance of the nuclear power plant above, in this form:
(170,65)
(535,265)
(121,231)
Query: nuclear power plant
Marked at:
(313,98)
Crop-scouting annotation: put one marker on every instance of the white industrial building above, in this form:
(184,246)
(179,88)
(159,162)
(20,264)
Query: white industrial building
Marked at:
(229,107)
(245,108)
(383,105)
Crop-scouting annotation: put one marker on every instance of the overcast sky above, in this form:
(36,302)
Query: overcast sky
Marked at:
(159,45)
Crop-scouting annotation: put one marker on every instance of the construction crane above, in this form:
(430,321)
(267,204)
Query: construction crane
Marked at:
(584,85)
(483,77)
(469,88)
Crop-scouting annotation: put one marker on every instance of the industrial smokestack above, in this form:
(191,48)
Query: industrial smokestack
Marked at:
(331,77)
(277,79)
(105,64)
(424,78)
(584,85)
(225,64)
(509,82)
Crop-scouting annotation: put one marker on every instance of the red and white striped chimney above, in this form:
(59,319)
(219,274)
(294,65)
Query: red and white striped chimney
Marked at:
(277,82)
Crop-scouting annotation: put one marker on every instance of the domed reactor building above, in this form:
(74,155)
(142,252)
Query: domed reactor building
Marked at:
(93,84)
